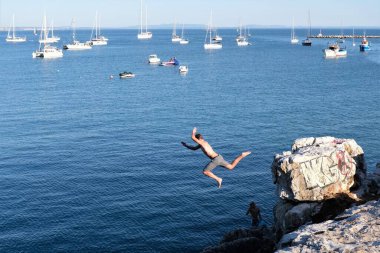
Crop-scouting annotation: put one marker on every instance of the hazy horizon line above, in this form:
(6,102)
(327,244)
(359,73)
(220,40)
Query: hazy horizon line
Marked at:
(197,26)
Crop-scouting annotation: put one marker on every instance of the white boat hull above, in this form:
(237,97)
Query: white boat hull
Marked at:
(183,69)
(144,36)
(334,53)
(48,52)
(294,41)
(184,42)
(158,61)
(50,40)
(217,38)
(77,46)
(176,39)
(98,42)
(243,43)
(213,46)
(15,39)
(153,59)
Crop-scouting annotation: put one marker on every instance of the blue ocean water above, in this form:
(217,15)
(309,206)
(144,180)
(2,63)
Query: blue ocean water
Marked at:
(93,164)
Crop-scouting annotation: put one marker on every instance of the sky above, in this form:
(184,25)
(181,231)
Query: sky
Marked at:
(226,13)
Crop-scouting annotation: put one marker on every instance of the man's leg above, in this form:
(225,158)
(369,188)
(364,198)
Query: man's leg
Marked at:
(212,175)
(237,160)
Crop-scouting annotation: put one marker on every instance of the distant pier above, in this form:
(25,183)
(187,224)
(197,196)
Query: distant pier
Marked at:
(344,36)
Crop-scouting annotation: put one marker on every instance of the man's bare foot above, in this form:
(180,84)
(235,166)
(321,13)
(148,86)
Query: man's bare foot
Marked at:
(219,182)
(244,154)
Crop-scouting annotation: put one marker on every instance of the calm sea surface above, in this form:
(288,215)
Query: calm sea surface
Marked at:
(90,164)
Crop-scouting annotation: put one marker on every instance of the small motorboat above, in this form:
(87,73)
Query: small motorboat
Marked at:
(153,59)
(335,50)
(126,74)
(364,46)
(183,69)
(306,42)
(172,62)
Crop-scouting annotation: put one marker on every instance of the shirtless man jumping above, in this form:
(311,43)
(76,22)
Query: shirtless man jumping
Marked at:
(216,159)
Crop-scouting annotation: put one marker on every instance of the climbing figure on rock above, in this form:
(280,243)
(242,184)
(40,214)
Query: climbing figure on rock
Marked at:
(216,159)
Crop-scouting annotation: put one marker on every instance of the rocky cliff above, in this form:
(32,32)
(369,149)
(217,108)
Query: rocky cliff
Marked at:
(355,230)
(323,192)
(316,180)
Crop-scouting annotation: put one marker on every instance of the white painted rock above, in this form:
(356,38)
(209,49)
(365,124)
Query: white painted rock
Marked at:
(318,168)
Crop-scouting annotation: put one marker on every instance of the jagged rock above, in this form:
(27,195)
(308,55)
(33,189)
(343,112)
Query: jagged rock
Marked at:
(318,169)
(372,185)
(288,216)
(355,230)
(245,241)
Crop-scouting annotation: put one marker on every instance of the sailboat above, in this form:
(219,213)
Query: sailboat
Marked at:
(293,38)
(320,34)
(12,36)
(98,40)
(211,43)
(45,50)
(76,45)
(341,38)
(52,39)
(175,37)
(353,37)
(144,35)
(183,40)
(34,31)
(242,39)
(307,42)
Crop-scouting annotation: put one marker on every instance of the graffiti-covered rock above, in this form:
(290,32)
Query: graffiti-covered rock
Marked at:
(318,169)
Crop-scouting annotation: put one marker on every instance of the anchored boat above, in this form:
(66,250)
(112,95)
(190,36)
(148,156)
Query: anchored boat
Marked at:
(307,42)
(12,37)
(172,62)
(153,59)
(98,40)
(364,46)
(335,50)
(183,69)
(45,50)
(76,45)
(126,74)
(144,35)
(293,38)
(213,43)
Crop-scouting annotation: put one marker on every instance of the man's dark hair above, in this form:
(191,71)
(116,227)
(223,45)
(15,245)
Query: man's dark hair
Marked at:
(199,136)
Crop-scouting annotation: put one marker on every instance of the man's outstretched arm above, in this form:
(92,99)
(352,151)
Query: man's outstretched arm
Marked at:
(190,147)
(193,135)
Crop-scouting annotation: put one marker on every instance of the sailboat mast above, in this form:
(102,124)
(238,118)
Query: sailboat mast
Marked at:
(292,34)
(73,26)
(13,26)
(52,28)
(96,25)
(174,28)
(45,29)
(141,18)
(146,19)
(210,25)
(309,25)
